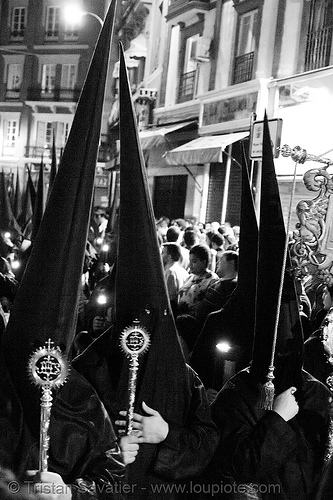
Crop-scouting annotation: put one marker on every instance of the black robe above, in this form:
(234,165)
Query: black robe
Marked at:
(283,460)
(185,452)
(83,445)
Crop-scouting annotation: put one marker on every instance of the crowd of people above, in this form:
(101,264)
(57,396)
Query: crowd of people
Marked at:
(200,265)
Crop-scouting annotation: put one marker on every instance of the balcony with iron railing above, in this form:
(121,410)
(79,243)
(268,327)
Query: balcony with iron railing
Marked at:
(39,151)
(243,68)
(104,152)
(17,35)
(12,94)
(187,86)
(56,35)
(53,94)
(318,49)
(181,7)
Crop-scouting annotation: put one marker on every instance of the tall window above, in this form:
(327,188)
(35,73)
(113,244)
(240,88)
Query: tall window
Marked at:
(14,76)
(48,134)
(190,53)
(62,133)
(44,135)
(52,22)
(45,131)
(18,22)
(14,80)
(71,30)
(48,78)
(245,47)
(319,37)
(10,137)
(188,78)
(68,76)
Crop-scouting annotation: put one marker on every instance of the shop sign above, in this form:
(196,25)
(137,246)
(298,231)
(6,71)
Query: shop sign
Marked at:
(225,110)
(275,129)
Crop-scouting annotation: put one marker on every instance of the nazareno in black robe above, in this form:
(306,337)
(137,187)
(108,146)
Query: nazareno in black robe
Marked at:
(83,445)
(284,459)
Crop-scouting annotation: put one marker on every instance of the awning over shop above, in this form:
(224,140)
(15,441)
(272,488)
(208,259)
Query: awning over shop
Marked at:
(159,136)
(206,149)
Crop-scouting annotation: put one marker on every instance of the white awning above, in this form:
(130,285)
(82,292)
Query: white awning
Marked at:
(206,149)
(157,136)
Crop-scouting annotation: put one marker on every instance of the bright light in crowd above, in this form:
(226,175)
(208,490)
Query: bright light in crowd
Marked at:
(223,347)
(101,300)
(15,264)
(73,13)
(105,248)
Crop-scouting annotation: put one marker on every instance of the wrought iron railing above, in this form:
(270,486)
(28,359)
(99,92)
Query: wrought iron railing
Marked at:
(187,86)
(243,68)
(12,94)
(56,94)
(17,35)
(184,4)
(104,152)
(39,151)
(318,49)
(52,34)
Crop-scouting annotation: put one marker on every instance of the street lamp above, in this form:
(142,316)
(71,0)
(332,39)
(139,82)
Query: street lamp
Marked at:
(73,13)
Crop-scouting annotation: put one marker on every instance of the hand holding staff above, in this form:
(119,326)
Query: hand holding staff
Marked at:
(48,369)
(134,342)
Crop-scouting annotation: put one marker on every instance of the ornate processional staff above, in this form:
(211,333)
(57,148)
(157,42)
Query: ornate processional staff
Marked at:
(48,369)
(312,243)
(134,341)
(300,155)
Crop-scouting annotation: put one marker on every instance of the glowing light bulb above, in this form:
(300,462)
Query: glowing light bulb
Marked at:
(101,299)
(223,347)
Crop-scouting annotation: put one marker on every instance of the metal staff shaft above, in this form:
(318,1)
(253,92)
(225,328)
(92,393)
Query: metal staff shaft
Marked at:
(134,341)
(327,340)
(300,155)
(49,370)
(44,438)
(133,374)
(329,446)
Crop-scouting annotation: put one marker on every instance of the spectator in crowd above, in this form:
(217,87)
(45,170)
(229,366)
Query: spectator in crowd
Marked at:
(323,302)
(175,235)
(193,292)
(174,272)
(318,350)
(219,292)
(195,287)
(208,240)
(217,245)
(162,225)
(101,221)
(228,236)
(8,288)
(236,231)
(181,223)
(191,238)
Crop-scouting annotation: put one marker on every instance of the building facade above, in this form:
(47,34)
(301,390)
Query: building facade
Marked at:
(202,72)
(44,59)
(221,64)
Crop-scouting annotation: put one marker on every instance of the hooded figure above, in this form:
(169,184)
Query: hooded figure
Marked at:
(83,446)
(227,324)
(275,453)
(166,389)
